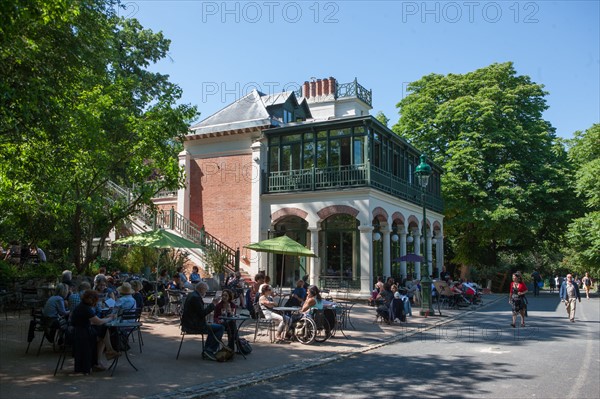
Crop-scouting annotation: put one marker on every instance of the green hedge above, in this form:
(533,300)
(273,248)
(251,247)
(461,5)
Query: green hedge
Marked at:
(11,273)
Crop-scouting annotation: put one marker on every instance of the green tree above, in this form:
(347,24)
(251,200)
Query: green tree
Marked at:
(79,111)
(382,118)
(583,249)
(506,177)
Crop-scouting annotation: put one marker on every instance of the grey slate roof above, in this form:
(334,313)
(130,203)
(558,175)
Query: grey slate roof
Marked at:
(246,112)
(251,111)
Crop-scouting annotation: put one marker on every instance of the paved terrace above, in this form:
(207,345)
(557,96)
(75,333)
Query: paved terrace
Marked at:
(161,376)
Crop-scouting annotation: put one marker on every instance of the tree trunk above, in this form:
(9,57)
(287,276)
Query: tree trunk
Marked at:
(465,272)
(76,245)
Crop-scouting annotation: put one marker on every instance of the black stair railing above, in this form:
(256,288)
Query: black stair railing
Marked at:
(185,227)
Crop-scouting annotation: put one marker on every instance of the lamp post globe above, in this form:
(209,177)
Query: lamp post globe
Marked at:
(423,172)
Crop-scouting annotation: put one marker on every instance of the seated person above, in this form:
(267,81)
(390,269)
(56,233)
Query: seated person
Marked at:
(226,307)
(55,307)
(298,295)
(195,276)
(401,293)
(111,287)
(75,297)
(176,283)
(379,284)
(194,320)
(163,278)
(259,280)
(385,296)
(266,305)
(102,289)
(137,286)
(91,337)
(183,278)
(235,285)
(313,300)
(455,288)
(126,300)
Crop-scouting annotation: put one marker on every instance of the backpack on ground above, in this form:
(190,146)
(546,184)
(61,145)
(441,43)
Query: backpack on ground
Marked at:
(244,346)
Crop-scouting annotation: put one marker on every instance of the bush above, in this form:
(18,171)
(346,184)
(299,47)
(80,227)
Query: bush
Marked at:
(10,273)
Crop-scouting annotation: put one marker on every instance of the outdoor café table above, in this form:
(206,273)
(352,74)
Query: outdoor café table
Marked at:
(283,309)
(123,329)
(238,321)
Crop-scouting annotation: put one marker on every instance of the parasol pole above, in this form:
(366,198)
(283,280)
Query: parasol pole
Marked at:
(155,309)
(282,271)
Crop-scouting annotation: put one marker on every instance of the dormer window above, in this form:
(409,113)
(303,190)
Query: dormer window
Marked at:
(287,116)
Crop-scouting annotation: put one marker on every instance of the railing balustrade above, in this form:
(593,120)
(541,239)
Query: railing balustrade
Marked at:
(348,176)
(188,229)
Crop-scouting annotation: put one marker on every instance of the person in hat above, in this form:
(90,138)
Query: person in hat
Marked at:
(126,300)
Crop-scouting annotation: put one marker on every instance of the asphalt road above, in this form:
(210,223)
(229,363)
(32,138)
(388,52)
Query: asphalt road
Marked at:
(477,356)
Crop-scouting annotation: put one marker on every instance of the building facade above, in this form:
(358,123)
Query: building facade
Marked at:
(313,165)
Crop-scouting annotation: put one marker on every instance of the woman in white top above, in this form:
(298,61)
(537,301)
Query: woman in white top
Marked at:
(266,305)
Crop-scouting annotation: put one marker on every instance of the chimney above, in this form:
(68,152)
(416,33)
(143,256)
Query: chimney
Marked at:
(305,88)
(326,87)
(332,86)
(313,89)
(319,87)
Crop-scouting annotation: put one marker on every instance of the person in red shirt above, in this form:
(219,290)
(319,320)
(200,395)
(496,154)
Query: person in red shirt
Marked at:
(517,299)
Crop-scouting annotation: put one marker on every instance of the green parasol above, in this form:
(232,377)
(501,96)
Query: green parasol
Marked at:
(157,239)
(283,245)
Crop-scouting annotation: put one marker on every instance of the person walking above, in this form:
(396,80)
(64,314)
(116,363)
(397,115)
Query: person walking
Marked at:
(569,294)
(537,278)
(587,285)
(517,299)
(552,282)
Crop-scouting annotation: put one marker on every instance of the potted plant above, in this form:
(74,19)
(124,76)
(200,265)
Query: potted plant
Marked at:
(216,260)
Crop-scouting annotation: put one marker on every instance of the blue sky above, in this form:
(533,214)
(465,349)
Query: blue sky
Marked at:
(221,50)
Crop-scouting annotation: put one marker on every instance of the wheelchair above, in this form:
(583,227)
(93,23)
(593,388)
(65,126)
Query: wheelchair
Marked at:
(311,328)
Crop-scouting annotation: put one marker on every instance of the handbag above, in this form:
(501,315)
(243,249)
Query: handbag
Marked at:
(224,354)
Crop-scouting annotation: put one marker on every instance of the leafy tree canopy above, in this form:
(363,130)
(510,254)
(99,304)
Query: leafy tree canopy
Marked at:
(583,247)
(78,110)
(506,177)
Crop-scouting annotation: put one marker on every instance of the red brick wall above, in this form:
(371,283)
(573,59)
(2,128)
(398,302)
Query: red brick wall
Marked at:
(220,191)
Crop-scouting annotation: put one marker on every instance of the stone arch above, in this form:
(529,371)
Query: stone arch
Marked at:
(412,219)
(380,214)
(284,212)
(397,218)
(336,209)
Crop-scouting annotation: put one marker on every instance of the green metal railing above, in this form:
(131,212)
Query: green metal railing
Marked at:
(348,176)
(351,89)
(339,283)
(354,89)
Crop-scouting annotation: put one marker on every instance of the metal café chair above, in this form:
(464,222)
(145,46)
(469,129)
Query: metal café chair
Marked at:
(184,331)
(134,315)
(262,322)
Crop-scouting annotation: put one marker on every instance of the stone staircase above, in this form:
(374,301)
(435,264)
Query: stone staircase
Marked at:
(145,219)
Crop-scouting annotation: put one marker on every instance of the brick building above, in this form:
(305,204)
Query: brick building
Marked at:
(313,165)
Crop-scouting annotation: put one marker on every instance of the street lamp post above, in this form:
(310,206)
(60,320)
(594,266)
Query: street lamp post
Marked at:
(423,173)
